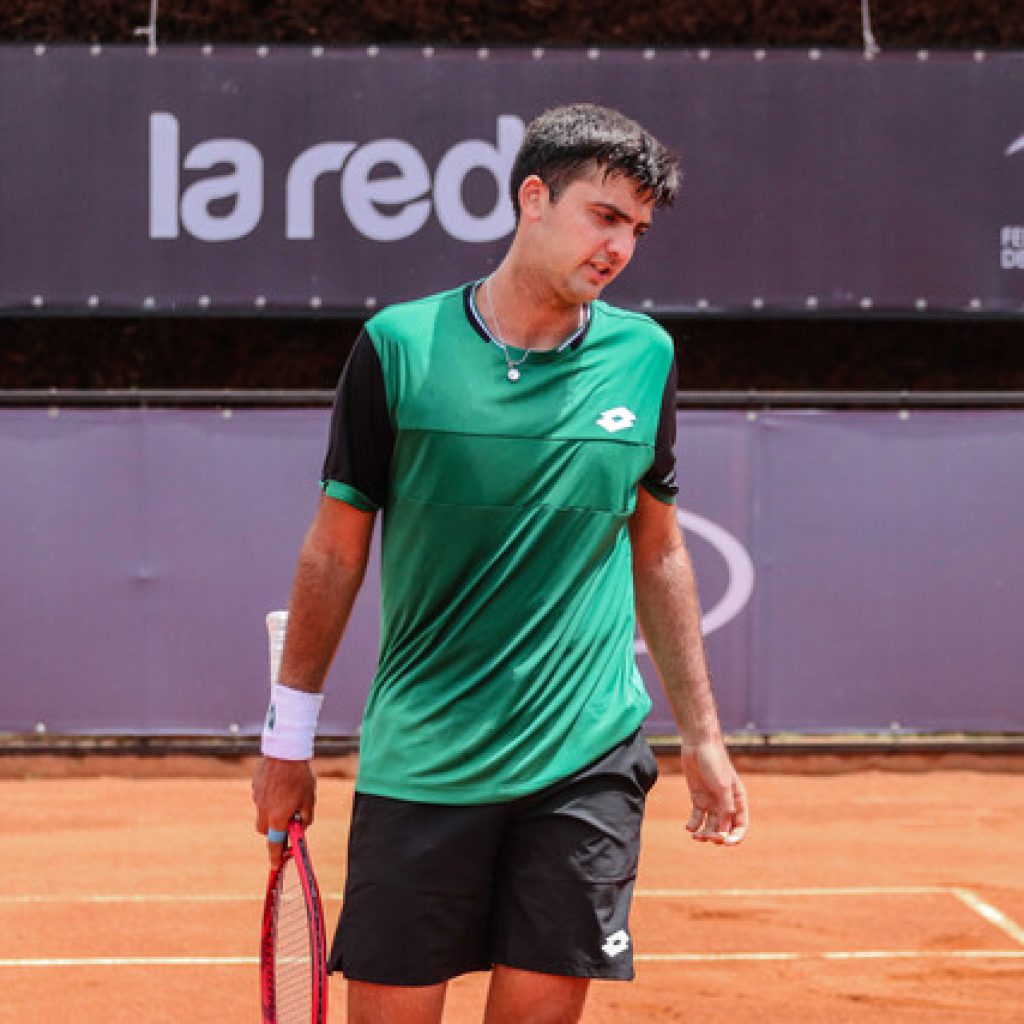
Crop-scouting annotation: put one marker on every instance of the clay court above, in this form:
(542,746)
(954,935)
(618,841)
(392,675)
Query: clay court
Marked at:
(882,896)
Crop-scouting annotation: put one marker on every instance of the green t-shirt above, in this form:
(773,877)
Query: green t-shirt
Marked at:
(507,619)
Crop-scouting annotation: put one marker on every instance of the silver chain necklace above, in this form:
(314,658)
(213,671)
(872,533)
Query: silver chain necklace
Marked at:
(512,365)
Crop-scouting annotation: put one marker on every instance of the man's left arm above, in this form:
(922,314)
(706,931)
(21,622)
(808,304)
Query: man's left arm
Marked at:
(669,614)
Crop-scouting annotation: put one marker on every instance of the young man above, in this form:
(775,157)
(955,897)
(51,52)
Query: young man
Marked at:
(517,434)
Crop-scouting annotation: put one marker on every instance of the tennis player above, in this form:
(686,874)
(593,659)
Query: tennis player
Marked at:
(517,434)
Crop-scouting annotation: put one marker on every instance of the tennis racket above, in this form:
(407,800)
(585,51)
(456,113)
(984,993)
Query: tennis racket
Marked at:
(293,950)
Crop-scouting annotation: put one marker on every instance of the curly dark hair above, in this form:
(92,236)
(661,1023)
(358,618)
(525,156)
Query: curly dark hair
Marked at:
(566,143)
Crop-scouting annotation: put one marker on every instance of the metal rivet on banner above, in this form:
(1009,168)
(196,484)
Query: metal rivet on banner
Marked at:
(149,302)
(649,54)
(40,50)
(702,303)
(757,302)
(751,727)
(94,301)
(866,302)
(233,729)
(260,301)
(37,300)
(979,55)
(922,55)
(648,304)
(483,53)
(95,50)
(53,412)
(538,52)
(40,728)
(315,301)
(370,302)
(204,300)
(372,51)
(812,302)
(594,53)
(751,415)
(207,50)
(760,55)
(975,304)
(262,51)
(226,414)
(904,414)
(428,51)
(704,54)
(895,726)
(317,51)
(814,54)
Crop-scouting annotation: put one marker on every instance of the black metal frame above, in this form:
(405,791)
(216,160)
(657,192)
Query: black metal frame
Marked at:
(316,398)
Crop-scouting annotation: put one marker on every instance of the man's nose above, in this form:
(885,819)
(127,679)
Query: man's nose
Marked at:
(620,247)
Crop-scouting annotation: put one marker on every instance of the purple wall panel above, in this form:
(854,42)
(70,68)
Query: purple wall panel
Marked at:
(891,571)
(141,552)
(71,633)
(855,568)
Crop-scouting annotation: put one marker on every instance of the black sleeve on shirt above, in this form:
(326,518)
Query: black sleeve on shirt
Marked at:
(660,479)
(362,434)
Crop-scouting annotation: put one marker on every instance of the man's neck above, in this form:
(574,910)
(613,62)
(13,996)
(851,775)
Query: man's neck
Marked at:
(524,311)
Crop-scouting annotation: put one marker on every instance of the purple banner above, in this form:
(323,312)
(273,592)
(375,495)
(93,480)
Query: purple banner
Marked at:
(205,180)
(856,569)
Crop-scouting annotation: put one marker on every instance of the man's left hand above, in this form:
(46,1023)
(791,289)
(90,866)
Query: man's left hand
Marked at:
(720,813)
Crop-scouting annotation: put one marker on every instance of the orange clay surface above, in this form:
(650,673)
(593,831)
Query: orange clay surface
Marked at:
(869,896)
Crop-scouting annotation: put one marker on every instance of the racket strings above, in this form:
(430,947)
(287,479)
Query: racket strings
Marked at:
(293,951)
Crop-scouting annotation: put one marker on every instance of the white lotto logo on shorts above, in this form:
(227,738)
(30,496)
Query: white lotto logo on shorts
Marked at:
(616,943)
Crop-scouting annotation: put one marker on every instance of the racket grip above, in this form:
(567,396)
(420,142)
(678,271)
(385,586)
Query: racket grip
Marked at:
(277,624)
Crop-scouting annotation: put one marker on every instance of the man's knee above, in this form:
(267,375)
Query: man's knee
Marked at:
(526,997)
(395,1004)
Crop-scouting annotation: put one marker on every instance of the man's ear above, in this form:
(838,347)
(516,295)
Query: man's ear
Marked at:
(534,195)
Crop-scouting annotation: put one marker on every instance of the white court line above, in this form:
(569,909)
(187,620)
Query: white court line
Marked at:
(968,898)
(861,890)
(134,961)
(642,893)
(132,898)
(859,954)
(850,890)
(996,917)
(250,961)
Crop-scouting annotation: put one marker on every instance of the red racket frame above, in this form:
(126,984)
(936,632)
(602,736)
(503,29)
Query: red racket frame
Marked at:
(296,850)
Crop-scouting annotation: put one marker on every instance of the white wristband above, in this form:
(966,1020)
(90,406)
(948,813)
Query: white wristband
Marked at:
(291,723)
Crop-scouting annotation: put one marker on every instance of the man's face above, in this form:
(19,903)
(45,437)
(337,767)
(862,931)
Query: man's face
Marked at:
(583,240)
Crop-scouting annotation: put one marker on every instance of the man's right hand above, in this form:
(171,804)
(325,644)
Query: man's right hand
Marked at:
(280,790)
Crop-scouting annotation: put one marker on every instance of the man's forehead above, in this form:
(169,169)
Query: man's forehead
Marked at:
(617,189)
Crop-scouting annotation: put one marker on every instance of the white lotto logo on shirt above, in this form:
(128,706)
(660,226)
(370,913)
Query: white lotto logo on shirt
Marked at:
(614,420)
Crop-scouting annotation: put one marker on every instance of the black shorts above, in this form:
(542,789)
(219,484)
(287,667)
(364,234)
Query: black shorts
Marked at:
(542,883)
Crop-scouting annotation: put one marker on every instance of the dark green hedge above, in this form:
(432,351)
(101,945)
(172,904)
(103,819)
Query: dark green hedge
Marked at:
(910,23)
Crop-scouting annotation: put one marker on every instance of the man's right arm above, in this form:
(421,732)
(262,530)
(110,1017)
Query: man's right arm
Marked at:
(331,566)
